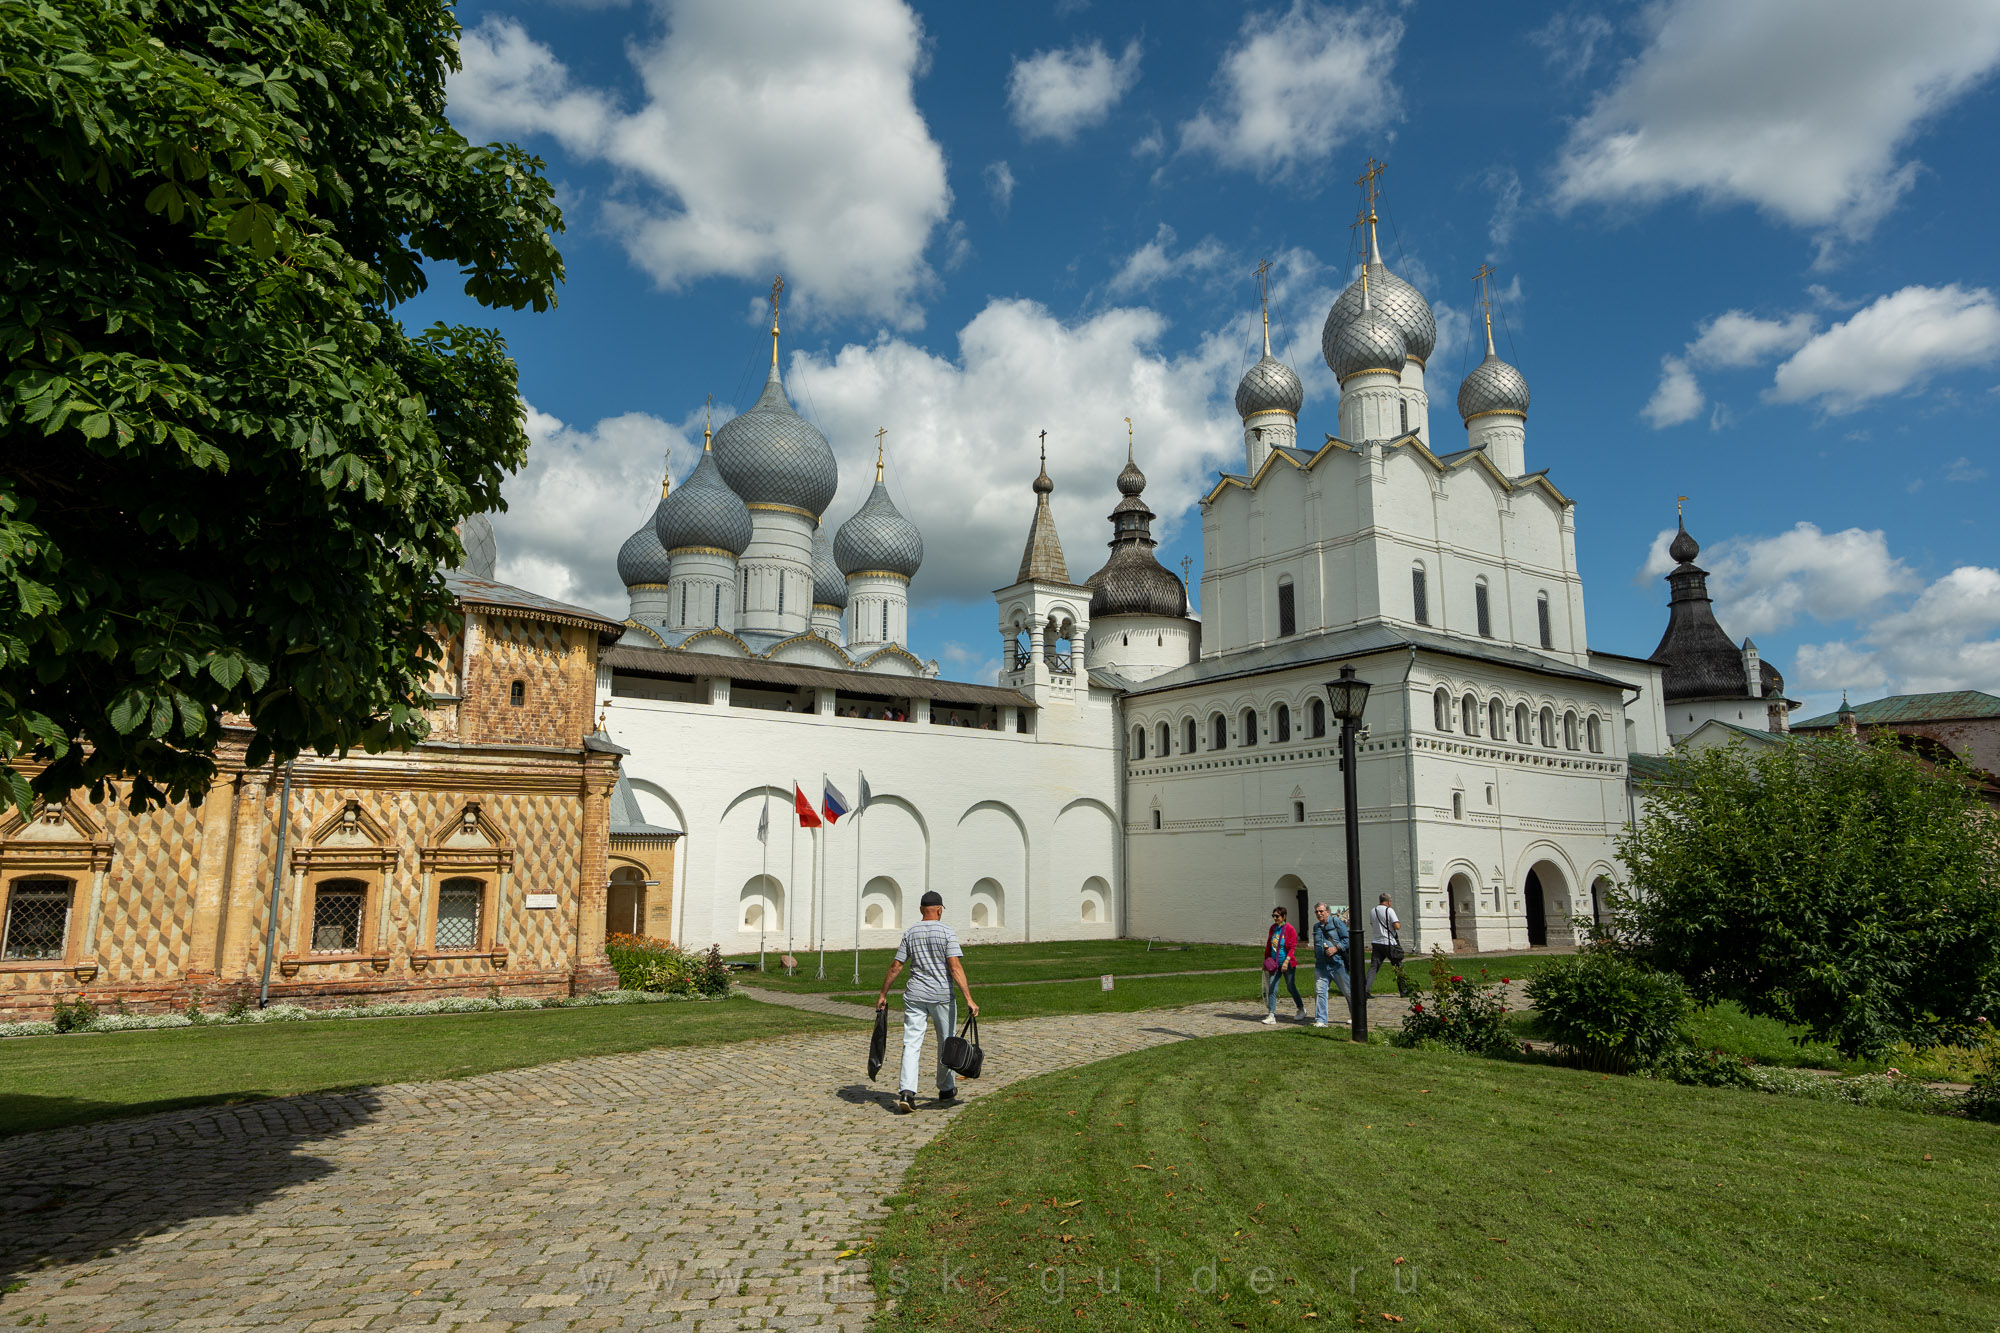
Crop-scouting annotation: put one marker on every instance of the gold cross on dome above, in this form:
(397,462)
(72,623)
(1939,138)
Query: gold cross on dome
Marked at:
(1370,182)
(878,451)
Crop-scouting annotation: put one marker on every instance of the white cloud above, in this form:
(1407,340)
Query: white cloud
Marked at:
(1764,584)
(1893,345)
(1569,40)
(1000,184)
(777,136)
(1057,94)
(1154,262)
(1945,640)
(963,430)
(580,495)
(1961,471)
(966,663)
(1677,399)
(1802,108)
(1296,86)
(1505,183)
(1736,338)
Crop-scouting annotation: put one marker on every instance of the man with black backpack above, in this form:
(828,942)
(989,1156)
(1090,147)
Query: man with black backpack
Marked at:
(931,950)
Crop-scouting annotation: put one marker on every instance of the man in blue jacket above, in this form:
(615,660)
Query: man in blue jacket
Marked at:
(1329,941)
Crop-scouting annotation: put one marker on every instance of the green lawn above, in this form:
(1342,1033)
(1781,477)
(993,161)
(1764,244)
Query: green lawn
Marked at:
(66,1080)
(1249,1182)
(1011,962)
(997,1003)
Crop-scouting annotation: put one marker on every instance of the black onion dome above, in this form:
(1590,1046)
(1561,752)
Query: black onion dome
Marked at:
(1684,548)
(1133,582)
(704,511)
(1699,659)
(772,455)
(642,559)
(878,537)
(1493,386)
(1131,481)
(1402,304)
(1269,386)
(829,584)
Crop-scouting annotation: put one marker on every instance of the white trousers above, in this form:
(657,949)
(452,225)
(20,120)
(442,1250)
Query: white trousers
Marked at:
(916,1017)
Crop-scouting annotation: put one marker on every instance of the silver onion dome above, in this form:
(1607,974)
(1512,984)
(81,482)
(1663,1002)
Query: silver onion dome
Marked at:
(770,455)
(878,537)
(704,511)
(1493,386)
(642,559)
(829,585)
(1369,341)
(1269,386)
(475,534)
(1403,305)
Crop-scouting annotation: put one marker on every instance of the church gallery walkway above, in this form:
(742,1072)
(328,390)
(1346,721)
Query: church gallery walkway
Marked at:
(710,1185)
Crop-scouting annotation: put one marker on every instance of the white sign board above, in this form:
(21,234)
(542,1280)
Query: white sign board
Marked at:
(1105,981)
(541,902)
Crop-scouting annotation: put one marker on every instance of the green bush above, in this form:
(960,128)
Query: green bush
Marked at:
(664,968)
(74,1015)
(1457,1014)
(1609,1014)
(1983,1101)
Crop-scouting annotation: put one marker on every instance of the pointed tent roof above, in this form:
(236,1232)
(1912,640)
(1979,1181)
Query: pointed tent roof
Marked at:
(1042,558)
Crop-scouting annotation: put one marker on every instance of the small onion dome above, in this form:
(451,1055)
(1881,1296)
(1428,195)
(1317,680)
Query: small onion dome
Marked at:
(1493,386)
(1369,341)
(829,584)
(1684,548)
(642,559)
(1269,386)
(878,537)
(475,534)
(704,511)
(771,455)
(1131,481)
(1402,304)
(1134,583)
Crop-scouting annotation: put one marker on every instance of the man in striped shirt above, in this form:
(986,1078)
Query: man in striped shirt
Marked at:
(930,949)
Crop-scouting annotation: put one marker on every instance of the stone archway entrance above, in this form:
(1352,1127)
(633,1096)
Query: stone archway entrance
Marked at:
(1546,903)
(1460,907)
(625,912)
(1537,909)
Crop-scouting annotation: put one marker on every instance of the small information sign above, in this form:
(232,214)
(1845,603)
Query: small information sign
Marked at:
(542,902)
(1105,981)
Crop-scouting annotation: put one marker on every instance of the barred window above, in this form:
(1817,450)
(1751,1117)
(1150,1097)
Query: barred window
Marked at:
(1542,619)
(1419,598)
(1288,620)
(337,916)
(1481,610)
(459,904)
(37,924)
(1281,724)
(1318,719)
(517,693)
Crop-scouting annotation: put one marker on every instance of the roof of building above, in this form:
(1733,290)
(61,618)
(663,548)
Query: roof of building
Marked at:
(1952,705)
(628,821)
(1042,558)
(475,534)
(878,537)
(1335,645)
(673,662)
(1133,582)
(1493,386)
(1701,661)
(703,512)
(829,584)
(772,455)
(507,599)
(1650,767)
(1402,304)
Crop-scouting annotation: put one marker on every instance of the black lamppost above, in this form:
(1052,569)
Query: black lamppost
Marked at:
(1347,697)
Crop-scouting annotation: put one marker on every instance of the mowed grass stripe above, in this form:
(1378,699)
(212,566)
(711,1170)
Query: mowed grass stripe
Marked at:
(1517,1196)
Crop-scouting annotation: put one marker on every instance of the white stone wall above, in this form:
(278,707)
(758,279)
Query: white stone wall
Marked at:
(1029,820)
(776,571)
(701,583)
(869,595)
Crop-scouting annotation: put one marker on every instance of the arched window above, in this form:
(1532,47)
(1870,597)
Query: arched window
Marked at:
(1521,732)
(1595,734)
(1420,602)
(1482,609)
(1138,742)
(1404,404)
(1187,742)
(1298,812)
(1468,715)
(1496,719)
(1569,730)
(1288,618)
(1458,805)
(1163,743)
(1281,724)
(517,693)
(1542,620)
(1156,819)
(1548,728)
(1319,719)
(1441,709)
(1249,726)
(1218,729)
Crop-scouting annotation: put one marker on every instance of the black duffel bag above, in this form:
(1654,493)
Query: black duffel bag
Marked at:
(878,1043)
(961,1054)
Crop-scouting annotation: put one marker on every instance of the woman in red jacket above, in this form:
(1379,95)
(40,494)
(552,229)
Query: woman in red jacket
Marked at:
(1281,963)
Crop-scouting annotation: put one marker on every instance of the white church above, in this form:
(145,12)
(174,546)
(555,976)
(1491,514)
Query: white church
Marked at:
(1139,770)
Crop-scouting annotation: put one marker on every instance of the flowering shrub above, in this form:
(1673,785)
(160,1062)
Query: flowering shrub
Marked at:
(1610,1014)
(294,1013)
(664,968)
(1456,1014)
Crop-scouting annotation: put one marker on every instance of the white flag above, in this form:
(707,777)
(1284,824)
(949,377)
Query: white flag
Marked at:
(866,795)
(764,823)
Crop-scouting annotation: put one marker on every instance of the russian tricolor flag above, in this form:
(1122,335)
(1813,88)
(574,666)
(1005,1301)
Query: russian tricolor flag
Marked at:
(832,803)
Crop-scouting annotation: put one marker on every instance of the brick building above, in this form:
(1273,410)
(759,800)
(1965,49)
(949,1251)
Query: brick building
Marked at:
(1964,722)
(481,859)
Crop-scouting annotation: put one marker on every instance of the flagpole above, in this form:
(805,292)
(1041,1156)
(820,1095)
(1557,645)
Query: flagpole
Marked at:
(817,847)
(857,895)
(791,881)
(763,918)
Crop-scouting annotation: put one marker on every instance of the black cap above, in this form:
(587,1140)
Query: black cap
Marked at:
(931,899)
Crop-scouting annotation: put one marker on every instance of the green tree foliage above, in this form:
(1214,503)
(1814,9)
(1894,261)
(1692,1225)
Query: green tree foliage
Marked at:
(229,473)
(1846,887)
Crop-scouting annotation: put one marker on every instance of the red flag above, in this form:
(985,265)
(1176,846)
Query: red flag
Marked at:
(808,817)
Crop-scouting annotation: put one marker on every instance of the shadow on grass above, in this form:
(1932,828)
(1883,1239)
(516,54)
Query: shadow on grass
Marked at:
(91,1190)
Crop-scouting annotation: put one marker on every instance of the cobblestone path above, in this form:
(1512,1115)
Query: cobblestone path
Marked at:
(709,1187)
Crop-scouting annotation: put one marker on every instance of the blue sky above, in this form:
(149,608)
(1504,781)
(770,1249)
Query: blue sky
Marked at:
(1744,255)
